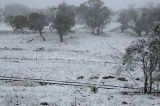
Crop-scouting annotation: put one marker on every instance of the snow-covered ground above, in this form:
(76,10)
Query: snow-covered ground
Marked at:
(82,57)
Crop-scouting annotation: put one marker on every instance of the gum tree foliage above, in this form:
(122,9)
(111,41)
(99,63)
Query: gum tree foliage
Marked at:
(155,13)
(64,21)
(138,24)
(144,54)
(1,14)
(97,15)
(10,21)
(139,20)
(17,22)
(50,13)
(37,22)
(124,19)
(135,19)
(74,9)
(82,13)
(20,22)
(143,22)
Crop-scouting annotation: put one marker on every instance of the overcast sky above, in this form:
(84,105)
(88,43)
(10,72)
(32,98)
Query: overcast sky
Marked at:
(113,4)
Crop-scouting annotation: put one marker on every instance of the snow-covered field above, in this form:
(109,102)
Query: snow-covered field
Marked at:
(81,58)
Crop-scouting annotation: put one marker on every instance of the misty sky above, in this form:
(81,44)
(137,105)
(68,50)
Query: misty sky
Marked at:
(113,4)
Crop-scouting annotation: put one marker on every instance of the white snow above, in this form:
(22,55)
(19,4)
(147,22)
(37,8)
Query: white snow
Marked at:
(81,54)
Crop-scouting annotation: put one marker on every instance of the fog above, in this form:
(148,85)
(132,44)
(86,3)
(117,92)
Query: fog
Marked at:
(113,4)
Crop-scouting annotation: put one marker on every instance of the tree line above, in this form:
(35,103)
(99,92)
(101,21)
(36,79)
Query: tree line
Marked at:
(144,54)
(140,20)
(92,13)
(62,18)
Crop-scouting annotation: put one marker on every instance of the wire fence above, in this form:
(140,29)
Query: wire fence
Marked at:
(61,60)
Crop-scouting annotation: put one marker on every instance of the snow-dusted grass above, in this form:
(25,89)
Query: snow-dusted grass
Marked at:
(66,96)
(81,54)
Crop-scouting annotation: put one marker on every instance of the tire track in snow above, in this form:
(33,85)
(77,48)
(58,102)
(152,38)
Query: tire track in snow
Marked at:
(63,83)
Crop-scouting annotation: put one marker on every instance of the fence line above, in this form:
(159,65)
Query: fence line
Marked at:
(68,61)
(63,83)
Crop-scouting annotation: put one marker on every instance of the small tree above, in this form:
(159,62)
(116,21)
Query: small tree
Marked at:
(17,23)
(10,21)
(146,55)
(82,13)
(37,22)
(20,22)
(1,14)
(50,13)
(139,20)
(97,16)
(142,20)
(124,20)
(64,21)
(138,55)
(155,13)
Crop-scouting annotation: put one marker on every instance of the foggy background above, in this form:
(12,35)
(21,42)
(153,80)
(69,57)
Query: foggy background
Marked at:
(113,4)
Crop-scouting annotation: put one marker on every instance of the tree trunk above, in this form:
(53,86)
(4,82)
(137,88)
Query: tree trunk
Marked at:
(101,29)
(14,29)
(145,85)
(147,32)
(40,28)
(139,33)
(150,83)
(41,35)
(61,37)
(122,29)
(98,31)
(93,31)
